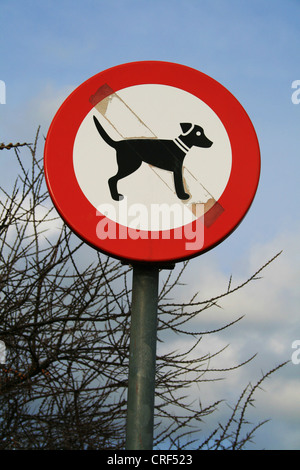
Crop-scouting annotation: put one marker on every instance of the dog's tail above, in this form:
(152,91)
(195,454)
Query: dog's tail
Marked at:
(103,134)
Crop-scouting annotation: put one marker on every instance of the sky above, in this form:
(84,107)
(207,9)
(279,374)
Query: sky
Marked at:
(252,48)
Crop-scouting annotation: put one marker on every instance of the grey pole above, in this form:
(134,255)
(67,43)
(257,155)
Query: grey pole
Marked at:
(141,379)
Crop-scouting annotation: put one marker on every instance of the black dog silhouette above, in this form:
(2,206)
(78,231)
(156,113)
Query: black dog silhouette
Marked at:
(164,154)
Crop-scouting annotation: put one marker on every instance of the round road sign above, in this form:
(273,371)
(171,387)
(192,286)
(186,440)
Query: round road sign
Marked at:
(152,162)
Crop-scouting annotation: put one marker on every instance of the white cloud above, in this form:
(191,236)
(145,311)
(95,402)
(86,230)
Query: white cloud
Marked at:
(271,324)
(22,122)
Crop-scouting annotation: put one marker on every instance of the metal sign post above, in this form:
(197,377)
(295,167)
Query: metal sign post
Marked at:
(151,163)
(141,379)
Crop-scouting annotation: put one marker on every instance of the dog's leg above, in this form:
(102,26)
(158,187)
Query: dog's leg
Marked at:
(179,187)
(112,183)
(126,166)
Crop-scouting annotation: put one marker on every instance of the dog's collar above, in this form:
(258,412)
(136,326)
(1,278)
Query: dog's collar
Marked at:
(181,145)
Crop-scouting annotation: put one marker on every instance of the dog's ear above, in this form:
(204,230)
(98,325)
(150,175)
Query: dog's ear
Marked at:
(186,127)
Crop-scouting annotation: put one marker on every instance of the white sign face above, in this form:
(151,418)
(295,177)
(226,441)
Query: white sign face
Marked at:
(151,111)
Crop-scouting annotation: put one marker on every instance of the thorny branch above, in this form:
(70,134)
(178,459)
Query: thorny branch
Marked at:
(10,145)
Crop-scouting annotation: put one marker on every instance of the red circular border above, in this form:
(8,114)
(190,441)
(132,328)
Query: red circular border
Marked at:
(80,215)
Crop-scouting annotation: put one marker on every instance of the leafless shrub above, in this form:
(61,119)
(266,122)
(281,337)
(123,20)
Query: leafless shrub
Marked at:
(66,328)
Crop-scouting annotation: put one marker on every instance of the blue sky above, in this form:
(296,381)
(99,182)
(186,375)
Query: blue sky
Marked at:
(252,48)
